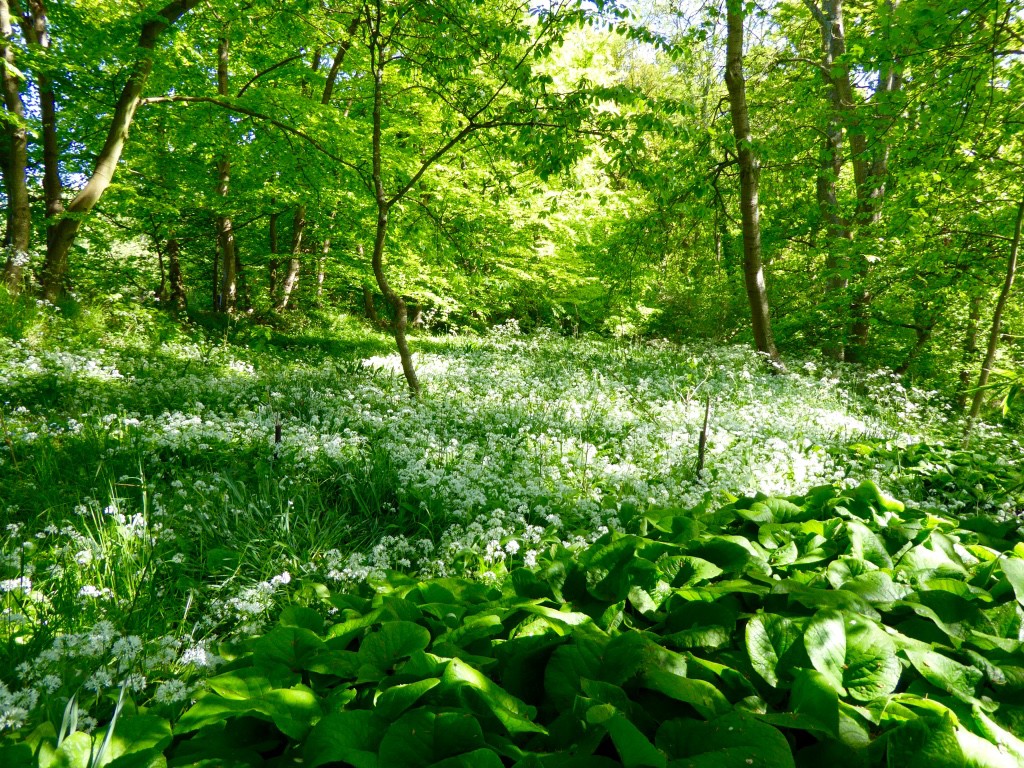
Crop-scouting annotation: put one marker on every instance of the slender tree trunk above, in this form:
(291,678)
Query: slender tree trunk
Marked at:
(377,60)
(829,170)
(177,298)
(970,350)
(370,305)
(870,163)
(63,233)
(225,228)
(291,278)
(275,263)
(321,268)
(36,31)
(750,171)
(325,252)
(997,319)
(19,215)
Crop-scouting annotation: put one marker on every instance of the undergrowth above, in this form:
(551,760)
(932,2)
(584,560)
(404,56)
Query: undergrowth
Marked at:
(496,549)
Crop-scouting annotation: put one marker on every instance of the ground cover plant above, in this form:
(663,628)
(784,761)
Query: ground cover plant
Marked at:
(230,545)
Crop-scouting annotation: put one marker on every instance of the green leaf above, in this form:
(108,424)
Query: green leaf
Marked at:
(516,716)
(867,545)
(735,740)
(478,758)
(700,694)
(394,641)
(349,737)
(825,641)
(813,696)
(285,650)
(74,752)
(393,701)
(769,638)
(1013,569)
(240,684)
(422,737)
(945,674)
(871,668)
(138,733)
(299,616)
(925,742)
(635,750)
(292,710)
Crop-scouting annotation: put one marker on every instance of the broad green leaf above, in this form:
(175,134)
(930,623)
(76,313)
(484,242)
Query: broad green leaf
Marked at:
(769,638)
(733,740)
(877,587)
(813,696)
(292,710)
(422,737)
(945,674)
(393,701)
(871,668)
(138,733)
(699,694)
(867,545)
(825,641)
(635,750)
(925,743)
(478,758)
(516,716)
(75,751)
(241,684)
(394,641)
(299,616)
(349,737)
(285,649)
(1013,569)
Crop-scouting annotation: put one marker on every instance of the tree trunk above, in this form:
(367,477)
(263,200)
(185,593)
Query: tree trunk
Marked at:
(19,216)
(997,319)
(63,233)
(176,300)
(291,278)
(378,58)
(36,32)
(750,171)
(829,170)
(970,350)
(275,264)
(370,305)
(869,169)
(225,228)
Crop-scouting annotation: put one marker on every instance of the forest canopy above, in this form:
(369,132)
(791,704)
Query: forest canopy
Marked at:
(840,177)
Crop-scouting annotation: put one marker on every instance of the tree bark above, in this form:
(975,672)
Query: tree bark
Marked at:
(275,264)
(176,300)
(870,164)
(225,229)
(997,319)
(291,278)
(750,171)
(19,215)
(36,31)
(378,58)
(970,350)
(370,305)
(64,231)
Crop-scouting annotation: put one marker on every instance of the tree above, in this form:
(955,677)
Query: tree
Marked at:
(750,177)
